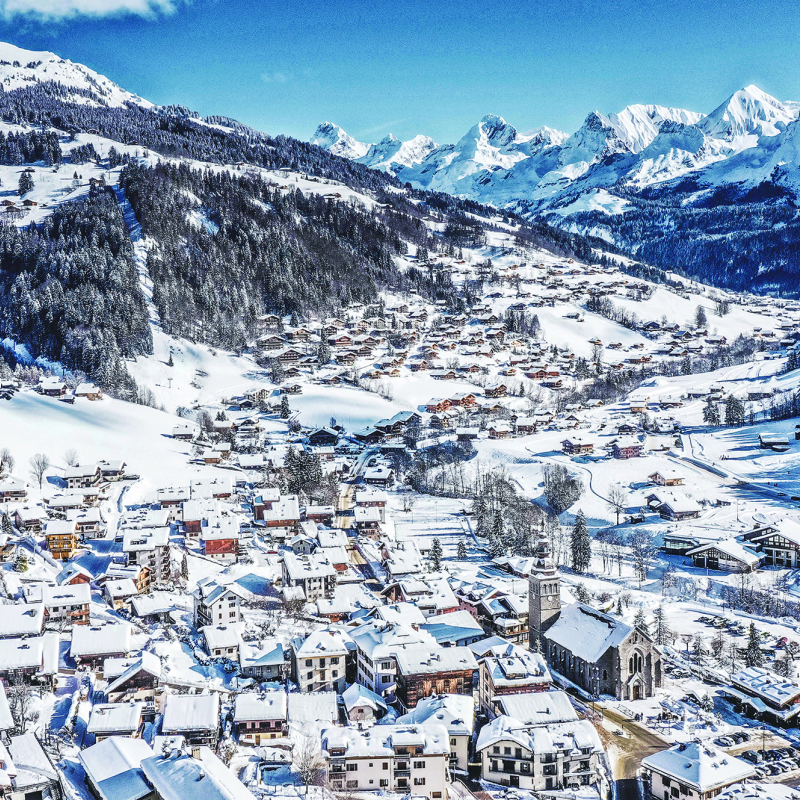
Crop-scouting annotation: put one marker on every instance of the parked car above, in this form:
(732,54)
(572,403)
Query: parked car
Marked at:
(752,756)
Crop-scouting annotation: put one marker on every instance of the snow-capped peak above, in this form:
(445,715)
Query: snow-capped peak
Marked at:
(334,139)
(393,155)
(638,124)
(746,116)
(19,68)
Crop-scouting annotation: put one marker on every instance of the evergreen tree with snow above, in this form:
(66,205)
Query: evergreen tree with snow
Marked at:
(581,544)
(734,411)
(640,621)
(462,550)
(436,554)
(21,561)
(323,353)
(753,656)
(661,633)
(700,319)
(185,567)
(25,184)
(718,647)
(285,410)
(8,528)
(496,547)
(711,413)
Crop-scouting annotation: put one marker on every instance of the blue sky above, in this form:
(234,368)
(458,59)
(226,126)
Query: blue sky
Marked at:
(409,66)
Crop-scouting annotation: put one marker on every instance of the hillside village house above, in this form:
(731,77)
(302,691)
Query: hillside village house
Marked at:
(445,670)
(193,716)
(549,757)
(260,716)
(695,770)
(319,662)
(393,758)
(216,604)
(508,669)
(457,713)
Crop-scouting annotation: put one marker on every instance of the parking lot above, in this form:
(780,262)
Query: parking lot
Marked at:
(773,757)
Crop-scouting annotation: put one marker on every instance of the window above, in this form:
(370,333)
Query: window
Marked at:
(352,767)
(384,782)
(385,765)
(334,673)
(506,751)
(335,660)
(419,765)
(525,766)
(419,781)
(495,749)
(436,794)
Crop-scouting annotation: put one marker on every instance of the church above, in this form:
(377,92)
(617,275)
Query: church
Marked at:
(597,651)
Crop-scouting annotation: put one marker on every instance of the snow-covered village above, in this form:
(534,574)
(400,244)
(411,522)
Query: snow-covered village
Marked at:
(433,500)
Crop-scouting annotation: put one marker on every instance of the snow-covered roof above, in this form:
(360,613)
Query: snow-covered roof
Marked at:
(115,717)
(380,740)
(147,662)
(732,548)
(191,712)
(420,660)
(537,708)
(587,633)
(455,711)
(144,539)
(563,737)
(33,765)
(21,619)
(33,651)
(178,776)
(358,696)
(320,644)
(699,765)
(453,626)
(222,636)
(774,689)
(252,706)
(263,653)
(114,767)
(100,640)
(313,707)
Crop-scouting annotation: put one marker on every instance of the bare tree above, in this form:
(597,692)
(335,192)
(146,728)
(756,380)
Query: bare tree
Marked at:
(20,700)
(6,462)
(616,499)
(643,550)
(39,464)
(71,457)
(308,761)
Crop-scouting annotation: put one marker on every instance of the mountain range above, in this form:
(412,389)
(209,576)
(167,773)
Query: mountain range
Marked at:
(713,196)
(641,146)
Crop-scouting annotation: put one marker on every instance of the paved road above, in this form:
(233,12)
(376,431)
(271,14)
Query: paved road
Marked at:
(628,751)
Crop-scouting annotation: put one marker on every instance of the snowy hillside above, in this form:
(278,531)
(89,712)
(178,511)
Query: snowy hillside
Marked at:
(19,68)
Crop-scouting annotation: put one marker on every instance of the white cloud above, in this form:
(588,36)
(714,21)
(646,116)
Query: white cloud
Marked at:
(65,9)
(275,77)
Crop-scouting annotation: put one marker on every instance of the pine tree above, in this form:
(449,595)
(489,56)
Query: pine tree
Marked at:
(718,647)
(661,632)
(581,544)
(8,528)
(753,657)
(462,550)
(185,567)
(285,410)
(734,411)
(711,413)
(170,363)
(21,561)
(782,667)
(640,621)
(25,183)
(436,554)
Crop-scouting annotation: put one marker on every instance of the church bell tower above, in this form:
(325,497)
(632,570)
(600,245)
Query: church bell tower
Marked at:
(544,596)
